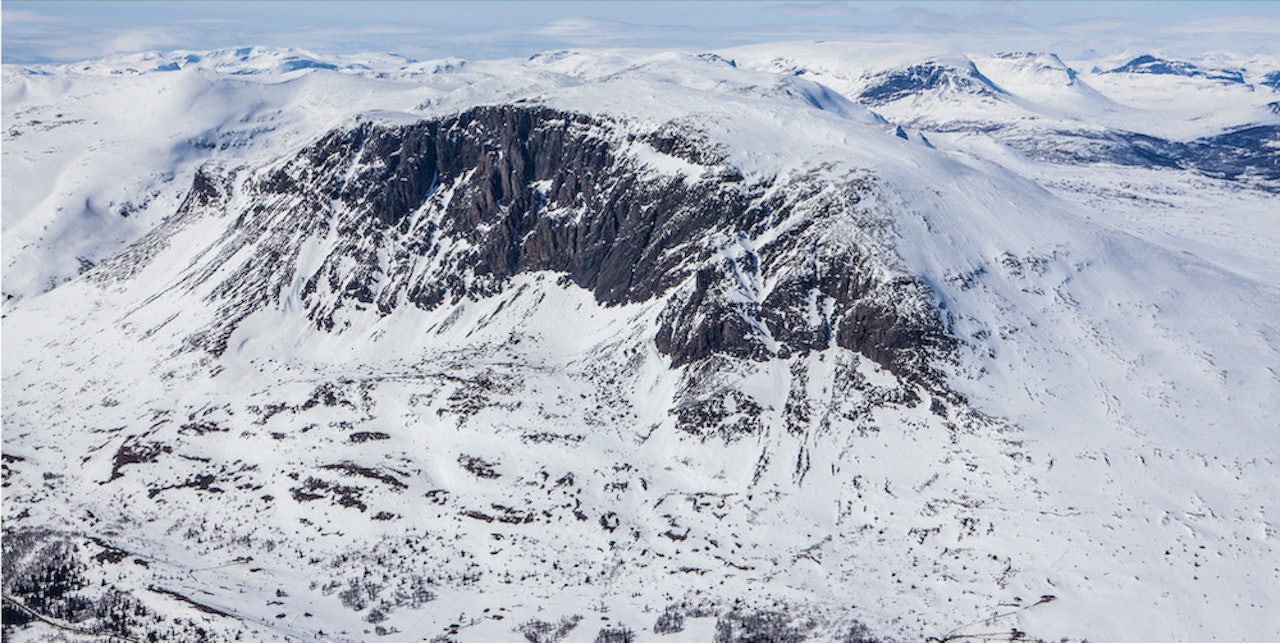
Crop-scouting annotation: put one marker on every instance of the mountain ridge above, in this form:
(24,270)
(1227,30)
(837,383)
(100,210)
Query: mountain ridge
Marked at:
(379,406)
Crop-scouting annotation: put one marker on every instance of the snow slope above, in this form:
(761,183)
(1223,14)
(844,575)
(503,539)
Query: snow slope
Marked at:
(1095,460)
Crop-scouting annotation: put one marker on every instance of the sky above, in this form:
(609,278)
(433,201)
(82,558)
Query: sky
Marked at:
(36,32)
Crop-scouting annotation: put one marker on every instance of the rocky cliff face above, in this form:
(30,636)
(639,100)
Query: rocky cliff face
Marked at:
(431,213)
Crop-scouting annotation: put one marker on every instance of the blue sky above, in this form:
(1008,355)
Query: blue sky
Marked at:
(68,31)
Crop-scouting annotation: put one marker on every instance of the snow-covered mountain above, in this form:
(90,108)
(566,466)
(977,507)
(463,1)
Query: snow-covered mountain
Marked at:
(787,342)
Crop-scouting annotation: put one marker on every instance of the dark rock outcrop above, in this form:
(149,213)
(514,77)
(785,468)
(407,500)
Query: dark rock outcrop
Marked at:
(1147,64)
(913,80)
(439,211)
(1247,153)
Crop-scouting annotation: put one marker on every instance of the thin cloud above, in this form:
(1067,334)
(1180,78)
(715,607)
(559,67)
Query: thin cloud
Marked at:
(145,39)
(819,9)
(1227,25)
(578,27)
(24,16)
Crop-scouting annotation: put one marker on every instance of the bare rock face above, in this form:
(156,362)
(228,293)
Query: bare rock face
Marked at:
(435,212)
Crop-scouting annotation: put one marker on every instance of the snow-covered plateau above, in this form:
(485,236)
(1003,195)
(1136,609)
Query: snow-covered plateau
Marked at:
(787,342)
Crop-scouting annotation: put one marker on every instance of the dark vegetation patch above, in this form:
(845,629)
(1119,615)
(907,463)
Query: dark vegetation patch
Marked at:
(202,482)
(479,467)
(44,579)
(135,451)
(352,469)
(671,621)
(201,427)
(513,516)
(536,631)
(342,495)
(616,634)
(762,627)
(327,394)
